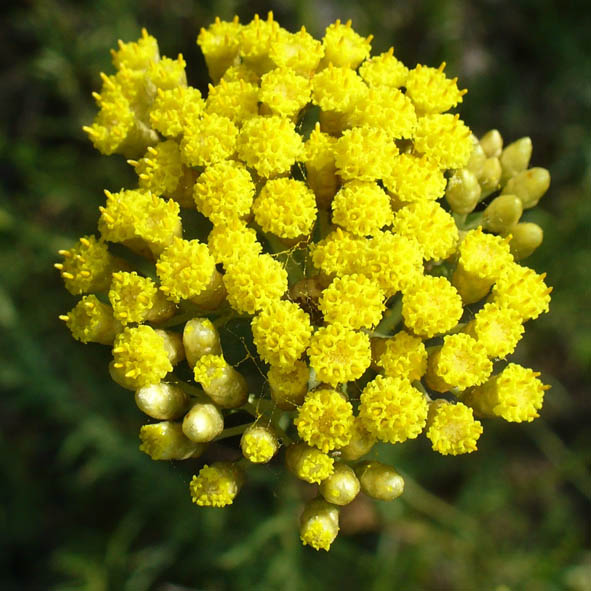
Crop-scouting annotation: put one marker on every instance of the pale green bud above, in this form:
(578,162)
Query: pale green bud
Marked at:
(162,401)
(515,158)
(463,191)
(525,238)
(529,186)
(166,441)
(380,481)
(341,487)
(203,423)
(200,337)
(173,345)
(319,524)
(492,143)
(361,441)
(477,158)
(118,376)
(490,176)
(502,214)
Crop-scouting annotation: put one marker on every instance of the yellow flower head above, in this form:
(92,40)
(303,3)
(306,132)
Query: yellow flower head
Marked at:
(343,46)
(88,266)
(230,241)
(286,208)
(172,109)
(216,485)
(254,282)
(238,101)
(219,44)
(281,333)
(241,72)
(337,89)
(319,150)
(285,92)
(325,420)
(365,154)
(484,255)
(339,354)
(431,91)
(255,41)
(309,463)
(209,368)
(224,191)
(516,395)
(461,362)
(432,306)
(185,269)
(452,428)
(259,444)
(298,51)
(289,386)
(338,253)
(140,355)
(431,226)
(131,296)
(403,355)
(413,178)
(208,140)
(354,301)
(384,70)
(136,55)
(362,207)
(91,321)
(160,170)
(166,74)
(445,139)
(523,290)
(498,329)
(270,145)
(319,525)
(392,409)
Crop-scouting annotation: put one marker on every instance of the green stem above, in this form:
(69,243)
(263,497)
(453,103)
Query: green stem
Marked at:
(392,317)
(419,386)
(231,431)
(192,391)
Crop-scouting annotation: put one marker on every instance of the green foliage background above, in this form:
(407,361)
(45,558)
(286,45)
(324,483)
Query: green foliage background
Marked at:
(81,508)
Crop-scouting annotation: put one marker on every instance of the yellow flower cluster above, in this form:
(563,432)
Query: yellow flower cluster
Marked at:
(321,246)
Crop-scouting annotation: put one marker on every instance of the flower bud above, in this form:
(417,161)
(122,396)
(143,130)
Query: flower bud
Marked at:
(308,463)
(259,444)
(361,442)
(203,423)
(162,401)
(341,487)
(216,485)
(91,321)
(200,337)
(289,388)
(515,158)
(166,441)
(502,214)
(529,186)
(525,238)
(118,376)
(492,143)
(463,191)
(489,177)
(477,158)
(173,345)
(380,481)
(221,382)
(319,524)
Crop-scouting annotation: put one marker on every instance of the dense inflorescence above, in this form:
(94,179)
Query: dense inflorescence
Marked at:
(317,257)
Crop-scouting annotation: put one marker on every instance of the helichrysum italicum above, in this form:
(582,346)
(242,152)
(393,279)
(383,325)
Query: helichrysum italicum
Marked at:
(361,241)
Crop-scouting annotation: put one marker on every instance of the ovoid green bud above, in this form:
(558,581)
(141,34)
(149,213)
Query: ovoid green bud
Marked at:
(477,158)
(162,401)
(529,186)
(200,337)
(489,176)
(341,487)
(525,238)
(360,444)
(166,441)
(380,481)
(203,423)
(492,143)
(319,524)
(502,214)
(515,158)
(463,191)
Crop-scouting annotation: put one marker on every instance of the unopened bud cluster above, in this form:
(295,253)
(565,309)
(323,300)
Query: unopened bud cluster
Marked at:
(366,239)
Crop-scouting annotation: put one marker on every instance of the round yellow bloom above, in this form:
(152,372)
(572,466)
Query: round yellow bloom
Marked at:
(523,290)
(173,109)
(131,296)
(238,101)
(166,74)
(259,444)
(319,525)
(208,139)
(270,145)
(224,191)
(343,46)
(365,154)
(185,269)
(445,139)
(325,420)
(289,386)
(498,329)
(432,306)
(298,51)
(431,226)
(362,208)
(286,208)
(413,178)
(484,255)
(254,282)
(219,44)
(216,485)
(403,355)
(461,362)
(284,92)
(337,89)
(516,395)
(354,301)
(392,409)
(91,321)
(338,253)
(241,72)
(140,355)
(281,333)
(232,240)
(339,354)
(309,463)
(431,91)
(384,70)
(452,428)
(255,42)
(136,55)
(160,169)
